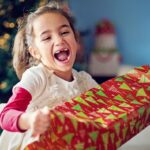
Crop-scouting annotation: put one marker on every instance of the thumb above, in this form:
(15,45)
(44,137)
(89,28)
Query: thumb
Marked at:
(45,110)
(35,135)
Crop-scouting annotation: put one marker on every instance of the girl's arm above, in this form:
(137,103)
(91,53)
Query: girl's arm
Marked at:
(14,118)
(15,107)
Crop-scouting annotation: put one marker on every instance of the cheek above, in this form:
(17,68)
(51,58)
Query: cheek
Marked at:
(74,45)
(76,48)
(47,59)
(45,50)
(47,55)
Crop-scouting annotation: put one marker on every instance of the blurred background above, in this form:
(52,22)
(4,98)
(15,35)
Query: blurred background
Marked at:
(114,36)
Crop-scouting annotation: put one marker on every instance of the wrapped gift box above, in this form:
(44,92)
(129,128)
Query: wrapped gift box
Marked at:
(102,118)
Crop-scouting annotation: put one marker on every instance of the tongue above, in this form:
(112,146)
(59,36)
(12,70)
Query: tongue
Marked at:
(61,56)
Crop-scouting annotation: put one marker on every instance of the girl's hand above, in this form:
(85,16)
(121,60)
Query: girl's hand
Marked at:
(39,121)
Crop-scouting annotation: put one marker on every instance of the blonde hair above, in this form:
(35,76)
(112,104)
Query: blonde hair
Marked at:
(24,37)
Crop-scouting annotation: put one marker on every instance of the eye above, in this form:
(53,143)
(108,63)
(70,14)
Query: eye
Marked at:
(46,38)
(64,33)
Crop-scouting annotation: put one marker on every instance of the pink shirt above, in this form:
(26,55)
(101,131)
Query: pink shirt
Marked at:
(16,105)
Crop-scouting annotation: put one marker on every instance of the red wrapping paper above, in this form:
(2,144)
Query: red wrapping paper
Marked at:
(102,118)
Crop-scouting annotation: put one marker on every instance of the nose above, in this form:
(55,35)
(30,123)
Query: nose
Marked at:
(58,40)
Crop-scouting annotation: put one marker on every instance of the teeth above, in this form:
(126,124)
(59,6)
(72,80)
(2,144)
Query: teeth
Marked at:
(62,54)
(61,50)
(57,52)
(65,49)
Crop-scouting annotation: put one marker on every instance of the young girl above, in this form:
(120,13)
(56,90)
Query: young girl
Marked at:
(44,53)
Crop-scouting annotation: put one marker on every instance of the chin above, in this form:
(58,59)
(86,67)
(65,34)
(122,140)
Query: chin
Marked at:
(65,69)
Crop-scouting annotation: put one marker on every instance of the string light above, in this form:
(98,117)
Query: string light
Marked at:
(6,36)
(11,25)
(8,24)
(3,41)
(3,85)
(2,12)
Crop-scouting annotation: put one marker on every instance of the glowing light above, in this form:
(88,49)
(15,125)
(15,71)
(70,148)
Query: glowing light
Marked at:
(11,25)
(6,24)
(2,41)
(2,12)
(3,85)
(6,36)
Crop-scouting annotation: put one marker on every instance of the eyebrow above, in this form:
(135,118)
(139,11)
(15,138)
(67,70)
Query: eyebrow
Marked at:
(64,25)
(48,31)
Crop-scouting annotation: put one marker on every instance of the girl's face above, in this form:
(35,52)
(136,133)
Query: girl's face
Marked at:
(54,43)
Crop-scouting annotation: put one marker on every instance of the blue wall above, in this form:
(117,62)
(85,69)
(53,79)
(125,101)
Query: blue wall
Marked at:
(131,19)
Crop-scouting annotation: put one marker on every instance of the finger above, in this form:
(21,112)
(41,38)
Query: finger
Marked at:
(35,134)
(45,110)
(38,131)
(46,125)
(43,125)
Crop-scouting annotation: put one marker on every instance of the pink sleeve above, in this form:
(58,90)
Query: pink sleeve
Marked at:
(16,105)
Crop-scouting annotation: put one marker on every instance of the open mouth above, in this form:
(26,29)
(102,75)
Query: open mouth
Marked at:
(62,55)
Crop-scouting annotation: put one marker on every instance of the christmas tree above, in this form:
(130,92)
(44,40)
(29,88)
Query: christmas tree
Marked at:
(10,12)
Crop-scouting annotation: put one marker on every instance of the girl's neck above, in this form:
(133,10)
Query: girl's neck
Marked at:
(68,76)
(64,75)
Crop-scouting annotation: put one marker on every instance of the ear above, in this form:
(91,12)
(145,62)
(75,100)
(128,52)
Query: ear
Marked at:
(34,52)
